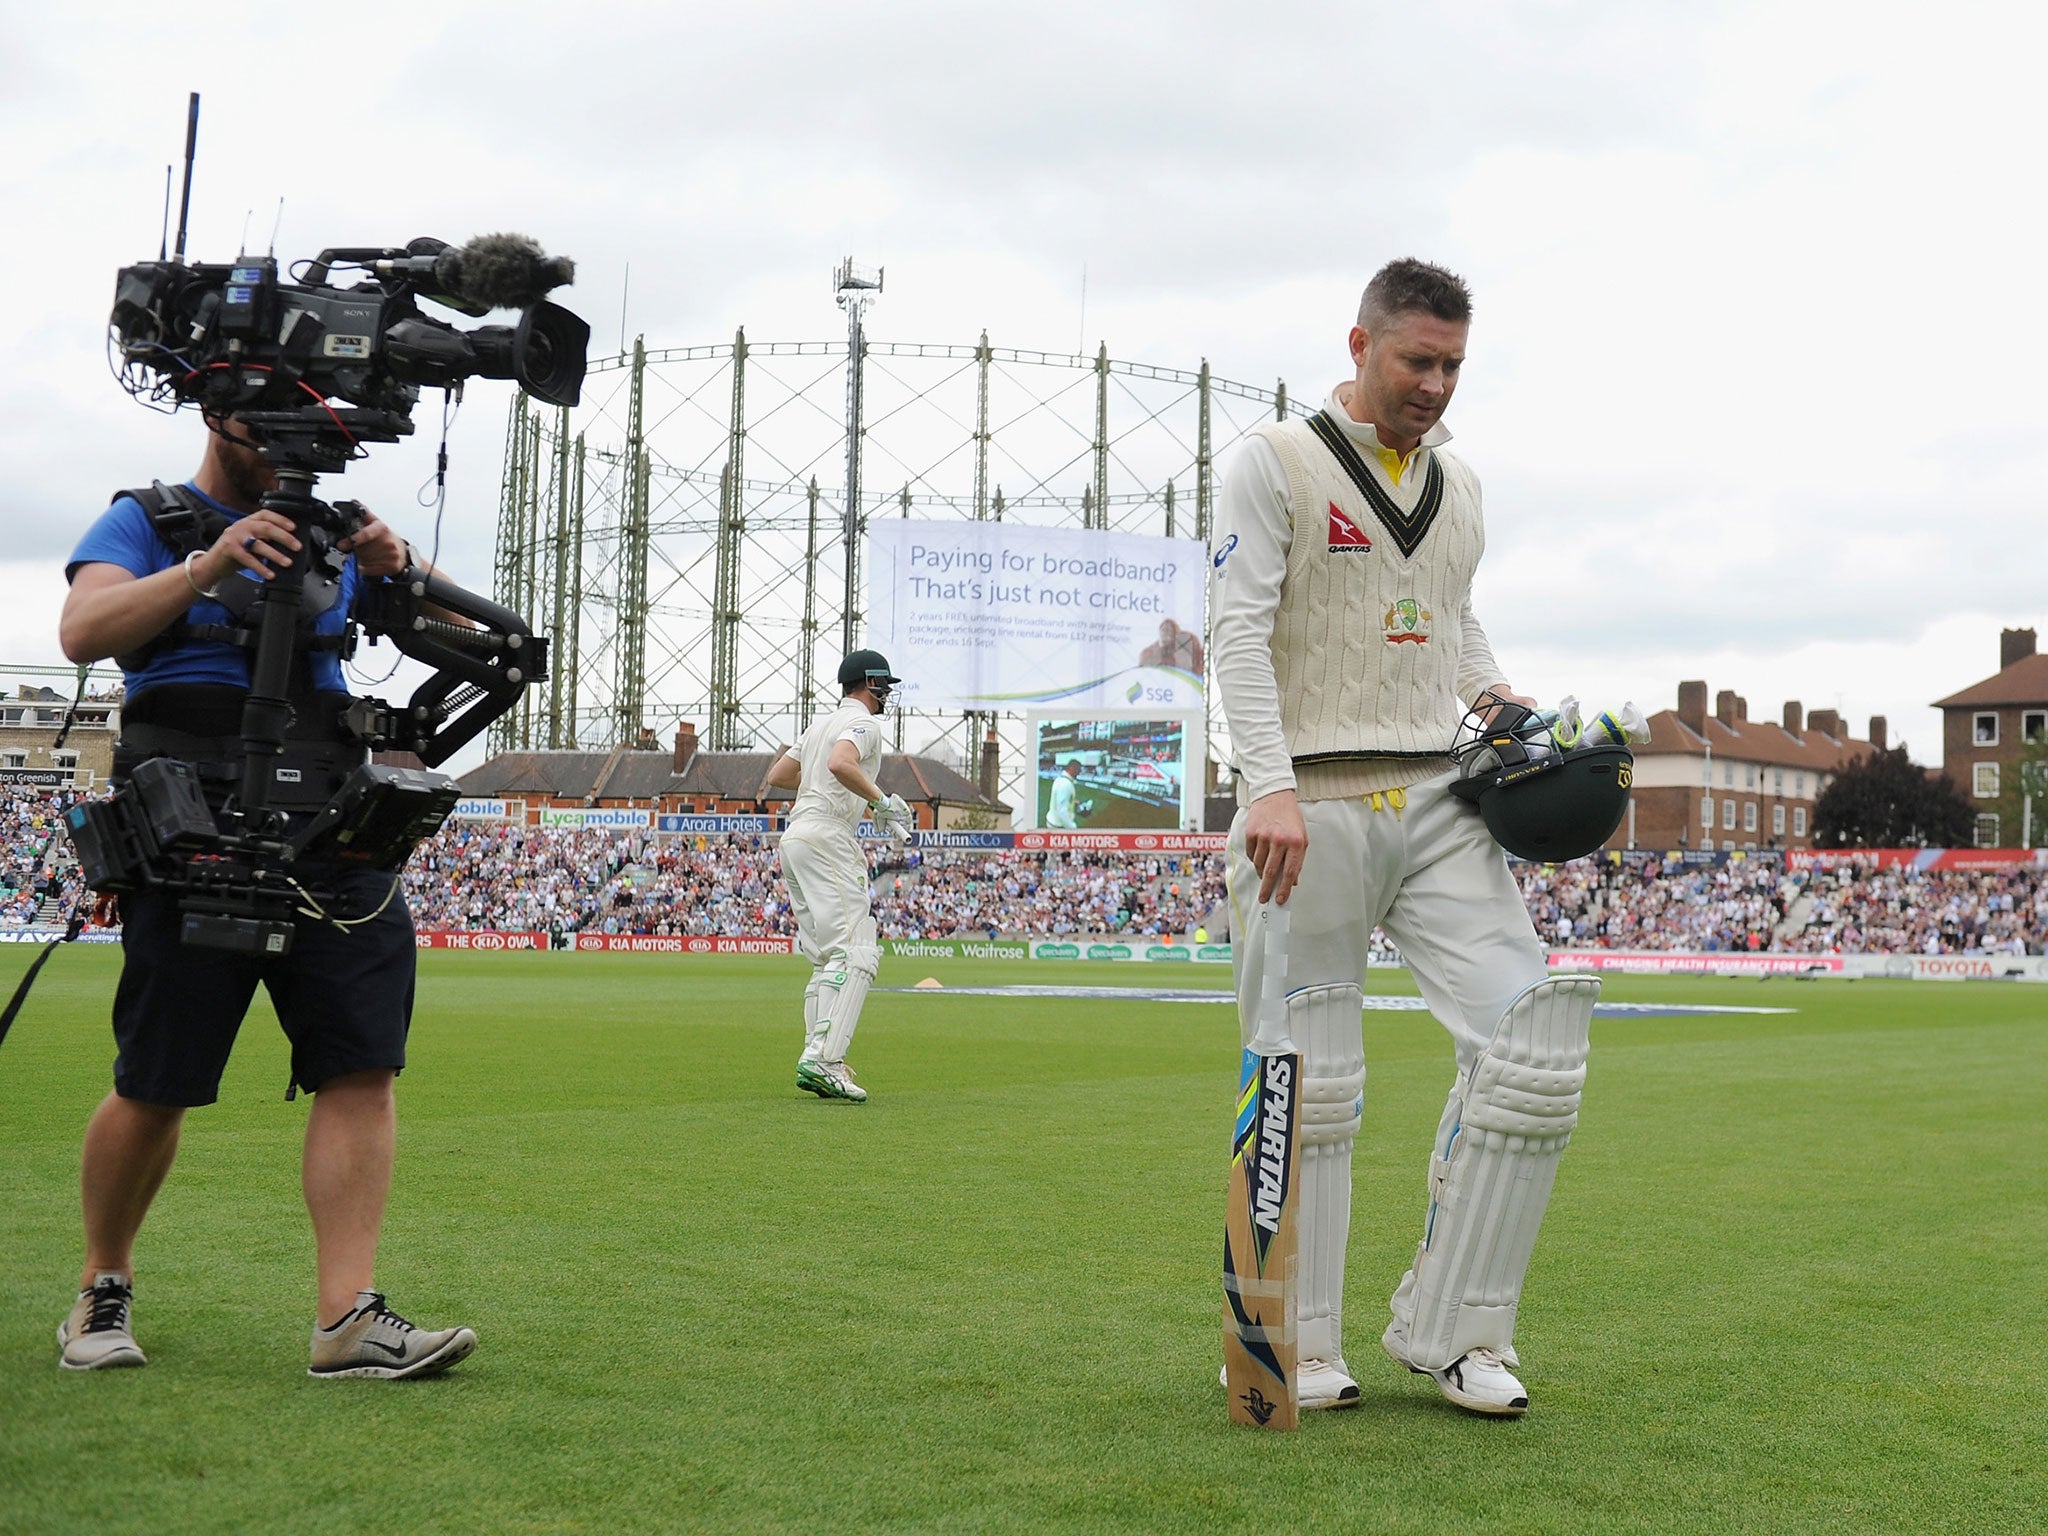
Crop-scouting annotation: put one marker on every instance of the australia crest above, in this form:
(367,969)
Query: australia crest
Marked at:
(1407,622)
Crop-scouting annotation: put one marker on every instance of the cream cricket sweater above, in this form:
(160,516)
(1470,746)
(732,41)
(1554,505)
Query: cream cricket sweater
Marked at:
(1343,646)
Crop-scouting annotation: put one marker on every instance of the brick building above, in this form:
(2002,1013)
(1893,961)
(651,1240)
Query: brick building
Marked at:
(29,723)
(1994,744)
(1725,781)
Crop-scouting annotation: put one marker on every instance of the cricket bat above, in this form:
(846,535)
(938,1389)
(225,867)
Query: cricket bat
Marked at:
(1261,1238)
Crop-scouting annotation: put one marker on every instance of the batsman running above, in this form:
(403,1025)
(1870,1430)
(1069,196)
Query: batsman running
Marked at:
(1347,655)
(832,769)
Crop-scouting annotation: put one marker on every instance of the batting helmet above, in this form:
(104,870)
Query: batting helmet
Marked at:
(867,669)
(1539,801)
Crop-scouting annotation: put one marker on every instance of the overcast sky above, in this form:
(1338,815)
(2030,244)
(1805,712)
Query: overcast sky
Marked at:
(1755,384)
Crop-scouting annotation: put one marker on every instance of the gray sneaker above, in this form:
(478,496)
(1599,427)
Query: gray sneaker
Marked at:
(375,1341)
(95,1336)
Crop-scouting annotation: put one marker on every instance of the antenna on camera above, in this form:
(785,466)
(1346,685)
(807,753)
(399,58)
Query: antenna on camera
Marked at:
(163,244)
(185,202)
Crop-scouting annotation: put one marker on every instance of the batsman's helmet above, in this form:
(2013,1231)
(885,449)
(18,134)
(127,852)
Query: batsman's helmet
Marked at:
(1539,801)
(868,669)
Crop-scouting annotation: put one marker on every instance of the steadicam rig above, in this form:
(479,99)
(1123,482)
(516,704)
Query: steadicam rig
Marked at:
(307,372)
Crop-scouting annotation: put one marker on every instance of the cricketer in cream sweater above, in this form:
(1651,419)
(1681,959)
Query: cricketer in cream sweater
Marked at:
(1345,652)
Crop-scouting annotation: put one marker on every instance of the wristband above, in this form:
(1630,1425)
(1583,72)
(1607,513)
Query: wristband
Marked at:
(210,593)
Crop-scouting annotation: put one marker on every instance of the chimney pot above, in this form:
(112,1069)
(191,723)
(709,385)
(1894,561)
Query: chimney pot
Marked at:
(1795,717)
(686,744)
(2014,645)
(1877,732)
(1724,706)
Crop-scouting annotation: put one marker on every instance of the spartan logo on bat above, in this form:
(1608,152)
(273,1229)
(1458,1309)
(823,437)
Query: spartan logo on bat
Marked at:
(1263,1145)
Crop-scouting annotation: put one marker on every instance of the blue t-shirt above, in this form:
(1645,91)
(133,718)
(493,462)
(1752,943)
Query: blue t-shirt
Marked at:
(124,536)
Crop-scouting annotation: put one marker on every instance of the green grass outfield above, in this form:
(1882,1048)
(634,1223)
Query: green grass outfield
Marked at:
(1793,1279)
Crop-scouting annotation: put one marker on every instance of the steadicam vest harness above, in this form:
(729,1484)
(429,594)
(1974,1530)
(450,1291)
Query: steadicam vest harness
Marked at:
(201,722)
(187,523)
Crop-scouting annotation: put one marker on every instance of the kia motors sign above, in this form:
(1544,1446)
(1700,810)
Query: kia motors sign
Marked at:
(680,944)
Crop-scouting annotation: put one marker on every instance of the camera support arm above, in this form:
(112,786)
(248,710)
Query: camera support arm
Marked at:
(481,666)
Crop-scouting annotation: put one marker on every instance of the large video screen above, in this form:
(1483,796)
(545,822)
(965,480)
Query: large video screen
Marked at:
(1111,775)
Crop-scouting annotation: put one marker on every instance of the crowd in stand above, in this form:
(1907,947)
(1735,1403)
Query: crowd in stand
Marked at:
(483,875)
(35,864)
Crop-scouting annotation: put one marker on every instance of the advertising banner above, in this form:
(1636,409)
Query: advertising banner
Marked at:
(1677,963)
(677,944)
(708,826)
(1142,948)
(1123,842)
(489,940)
(1915,858)
(487,810)
(957,949)
(987,615)
(614,820)
(1952,967)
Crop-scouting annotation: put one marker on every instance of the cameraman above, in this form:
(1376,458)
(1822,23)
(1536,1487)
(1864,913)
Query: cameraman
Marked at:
(344,997)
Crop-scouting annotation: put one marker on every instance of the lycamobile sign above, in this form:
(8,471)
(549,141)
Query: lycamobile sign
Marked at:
(958,949)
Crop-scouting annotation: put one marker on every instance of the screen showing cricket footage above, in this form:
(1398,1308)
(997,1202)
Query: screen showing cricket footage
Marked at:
(1109,775)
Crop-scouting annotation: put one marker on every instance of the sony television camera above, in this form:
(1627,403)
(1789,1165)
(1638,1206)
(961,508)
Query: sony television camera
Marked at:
(308,371)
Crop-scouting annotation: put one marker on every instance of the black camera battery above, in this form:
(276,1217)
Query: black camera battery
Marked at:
(121,839)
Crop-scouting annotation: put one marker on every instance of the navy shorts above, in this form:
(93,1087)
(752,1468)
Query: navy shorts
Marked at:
(343,997)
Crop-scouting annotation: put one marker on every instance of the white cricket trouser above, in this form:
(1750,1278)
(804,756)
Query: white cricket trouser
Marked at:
(827,877)
(1424,868)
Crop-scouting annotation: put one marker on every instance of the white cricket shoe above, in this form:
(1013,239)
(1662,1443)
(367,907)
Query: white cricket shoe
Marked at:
(1478,1380)
(1324,1384)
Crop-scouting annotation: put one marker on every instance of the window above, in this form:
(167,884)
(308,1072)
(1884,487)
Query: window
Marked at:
(1984,730)
(1749,775)
(1800,786)
(1777,821)
(1777,781)
(1727,775)
(65,759)
(1727,815)
(1799,821)
(1984,785)
(1706,809)
(1749,815)
(1987,831)
(2034,725)
(20,760)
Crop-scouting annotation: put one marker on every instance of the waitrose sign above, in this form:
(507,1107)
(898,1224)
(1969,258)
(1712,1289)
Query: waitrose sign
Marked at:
(957,949)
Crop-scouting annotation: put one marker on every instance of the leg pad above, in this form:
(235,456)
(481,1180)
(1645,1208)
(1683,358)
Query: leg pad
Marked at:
(1491,1180)
(1327,1026)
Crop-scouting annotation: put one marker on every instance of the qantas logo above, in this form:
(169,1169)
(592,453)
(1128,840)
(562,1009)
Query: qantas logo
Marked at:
(1345,534)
